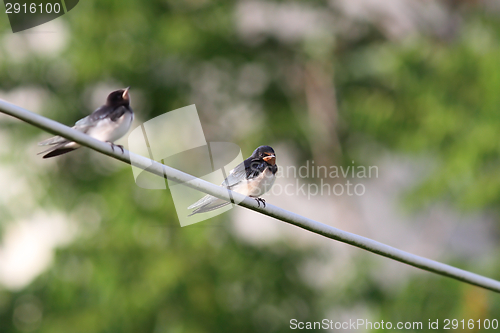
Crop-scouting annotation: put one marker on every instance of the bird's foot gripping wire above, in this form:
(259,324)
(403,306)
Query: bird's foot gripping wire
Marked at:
(259,200)
(113,147)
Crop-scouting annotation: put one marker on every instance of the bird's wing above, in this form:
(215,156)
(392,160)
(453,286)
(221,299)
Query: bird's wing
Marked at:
(208,199)
(107,112)
(248,169)
(236,176)
(209,202)
(81,125)
(91,120)
(99,114)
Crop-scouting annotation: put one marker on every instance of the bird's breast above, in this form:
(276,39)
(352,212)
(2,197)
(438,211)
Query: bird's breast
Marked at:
(109,130)
(257,186)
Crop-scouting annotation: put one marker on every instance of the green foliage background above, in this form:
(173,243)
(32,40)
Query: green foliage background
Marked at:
(140,272)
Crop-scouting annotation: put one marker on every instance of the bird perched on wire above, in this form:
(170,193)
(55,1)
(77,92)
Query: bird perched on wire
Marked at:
(253,177)
(107,123)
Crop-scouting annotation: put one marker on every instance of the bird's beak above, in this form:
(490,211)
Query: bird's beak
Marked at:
(125,93)
(271,159)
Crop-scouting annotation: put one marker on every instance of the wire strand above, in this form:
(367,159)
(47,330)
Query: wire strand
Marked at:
(270,210)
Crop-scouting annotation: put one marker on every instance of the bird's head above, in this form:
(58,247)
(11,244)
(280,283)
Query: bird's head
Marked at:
(118,98)
(265,153)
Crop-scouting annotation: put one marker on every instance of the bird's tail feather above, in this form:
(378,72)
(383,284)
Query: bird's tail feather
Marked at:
(218,203)
(203,201)
(60,149)
(55,140)
(57,152)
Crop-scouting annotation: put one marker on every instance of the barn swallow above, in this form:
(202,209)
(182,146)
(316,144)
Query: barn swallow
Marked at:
(107,123)
(253,177)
